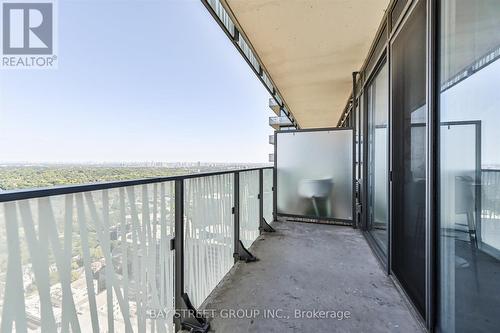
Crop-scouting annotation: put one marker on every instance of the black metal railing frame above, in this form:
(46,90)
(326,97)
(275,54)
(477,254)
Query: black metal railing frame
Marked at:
(185,316)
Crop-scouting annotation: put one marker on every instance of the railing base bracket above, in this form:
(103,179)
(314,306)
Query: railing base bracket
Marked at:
(190,319)
(266,227)
(243,254)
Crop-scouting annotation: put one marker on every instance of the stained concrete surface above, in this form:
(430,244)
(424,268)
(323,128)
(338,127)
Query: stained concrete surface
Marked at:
(309,267)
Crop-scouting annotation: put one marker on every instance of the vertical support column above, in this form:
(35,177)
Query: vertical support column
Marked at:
(179,250)
(353,125)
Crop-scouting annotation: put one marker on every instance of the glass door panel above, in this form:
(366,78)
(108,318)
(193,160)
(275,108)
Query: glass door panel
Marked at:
(469,160)
(408,155)
(378,136)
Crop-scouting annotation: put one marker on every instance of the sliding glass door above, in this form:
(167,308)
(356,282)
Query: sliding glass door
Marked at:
(469,172)
(408,83)
(378,141)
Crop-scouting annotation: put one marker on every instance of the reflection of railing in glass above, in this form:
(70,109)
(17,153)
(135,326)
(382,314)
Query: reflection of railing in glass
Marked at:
(490,183)
(490,211)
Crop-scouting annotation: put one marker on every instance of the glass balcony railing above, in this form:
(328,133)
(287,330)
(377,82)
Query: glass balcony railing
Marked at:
(267,81)
(123,256)
(249,207)
(94,260)
(267,195)
(222,15)
(208,233)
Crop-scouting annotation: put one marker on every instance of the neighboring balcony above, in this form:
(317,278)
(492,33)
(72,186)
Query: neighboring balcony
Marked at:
(271,158)
(278,122)
(274,106)
(271,139)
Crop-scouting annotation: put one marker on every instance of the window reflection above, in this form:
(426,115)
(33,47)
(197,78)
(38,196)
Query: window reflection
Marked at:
(470,166)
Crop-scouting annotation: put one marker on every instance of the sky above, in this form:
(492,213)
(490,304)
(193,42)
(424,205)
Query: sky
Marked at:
(137,80)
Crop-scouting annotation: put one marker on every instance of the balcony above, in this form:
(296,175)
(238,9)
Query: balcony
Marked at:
(127,256)
(278,122)
(271,140)
(375,216)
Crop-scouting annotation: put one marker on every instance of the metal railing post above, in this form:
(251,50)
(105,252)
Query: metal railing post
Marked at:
(275,193)
(261,201)
(179,250)
(240,252)
(236,213)
(186,317)
(264,225)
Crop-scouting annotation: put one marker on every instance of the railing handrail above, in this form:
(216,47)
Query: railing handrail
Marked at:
(23,194)
(490,170)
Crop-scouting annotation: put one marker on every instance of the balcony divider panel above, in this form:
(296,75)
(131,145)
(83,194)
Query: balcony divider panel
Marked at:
(314,174)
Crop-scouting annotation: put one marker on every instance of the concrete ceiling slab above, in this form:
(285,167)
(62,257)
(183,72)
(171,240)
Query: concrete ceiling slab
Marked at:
(310,48)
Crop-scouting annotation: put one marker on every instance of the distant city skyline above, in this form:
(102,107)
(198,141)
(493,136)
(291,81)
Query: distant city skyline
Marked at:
(127,163)
(137,81)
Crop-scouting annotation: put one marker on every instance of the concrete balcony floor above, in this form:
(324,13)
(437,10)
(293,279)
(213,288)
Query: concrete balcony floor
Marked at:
(311,267)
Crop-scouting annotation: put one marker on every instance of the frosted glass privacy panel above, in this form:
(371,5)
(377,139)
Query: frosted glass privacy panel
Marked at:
(268,195)
(208,233)
(315,174)
(249,207)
